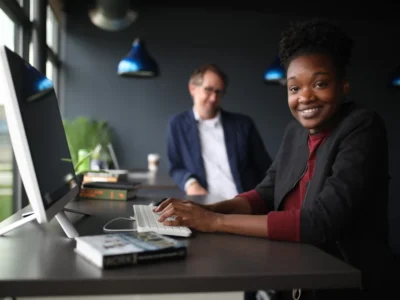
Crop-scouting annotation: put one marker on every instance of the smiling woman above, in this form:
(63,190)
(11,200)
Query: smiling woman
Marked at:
(328,184)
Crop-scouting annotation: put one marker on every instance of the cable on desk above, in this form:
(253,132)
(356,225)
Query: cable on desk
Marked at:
(116,230)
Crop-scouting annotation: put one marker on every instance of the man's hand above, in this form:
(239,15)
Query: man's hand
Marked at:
(195,189)
(188,213)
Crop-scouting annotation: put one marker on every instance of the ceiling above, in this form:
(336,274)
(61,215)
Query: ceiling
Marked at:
(310,8)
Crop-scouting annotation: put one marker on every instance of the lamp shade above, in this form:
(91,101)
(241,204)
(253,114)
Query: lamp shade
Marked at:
(138,62)
(112,15)
(395,80)
(44,84)
(275,73)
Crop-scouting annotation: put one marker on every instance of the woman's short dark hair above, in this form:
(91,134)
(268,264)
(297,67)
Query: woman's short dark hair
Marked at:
(316,37)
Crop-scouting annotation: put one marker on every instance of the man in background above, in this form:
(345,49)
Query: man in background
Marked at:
(210,150)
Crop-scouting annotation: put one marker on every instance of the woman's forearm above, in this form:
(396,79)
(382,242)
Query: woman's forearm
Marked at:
(233,206)
(250,225)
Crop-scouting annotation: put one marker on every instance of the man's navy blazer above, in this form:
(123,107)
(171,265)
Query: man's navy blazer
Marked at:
(248,157)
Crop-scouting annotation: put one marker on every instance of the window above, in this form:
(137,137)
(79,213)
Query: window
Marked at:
(52,36)
(6,154)
(51,73)
(31,5)
(49,70)
(52,30)
(31,53)
(8,30)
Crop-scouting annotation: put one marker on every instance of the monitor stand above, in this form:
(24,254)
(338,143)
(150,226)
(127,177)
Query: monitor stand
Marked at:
(61,217)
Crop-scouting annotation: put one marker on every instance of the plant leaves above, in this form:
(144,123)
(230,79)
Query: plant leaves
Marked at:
(85,133)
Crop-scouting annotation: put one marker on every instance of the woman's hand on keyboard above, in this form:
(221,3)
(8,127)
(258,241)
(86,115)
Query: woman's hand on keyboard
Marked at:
(187,213)
(167,201)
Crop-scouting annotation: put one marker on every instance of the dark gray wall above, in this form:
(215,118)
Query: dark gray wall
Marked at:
(180,41)
(242,43)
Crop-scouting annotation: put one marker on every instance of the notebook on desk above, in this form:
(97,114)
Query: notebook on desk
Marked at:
(126,249)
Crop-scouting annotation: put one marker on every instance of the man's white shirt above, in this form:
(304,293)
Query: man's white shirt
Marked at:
(215,158)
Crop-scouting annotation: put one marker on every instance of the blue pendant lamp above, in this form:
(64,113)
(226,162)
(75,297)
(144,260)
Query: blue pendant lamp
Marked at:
(395,81)
(44,84)
(138,62)
(41,84)
(275,74)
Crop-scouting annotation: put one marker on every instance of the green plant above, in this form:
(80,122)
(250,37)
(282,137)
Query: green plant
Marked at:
(78,163)
(86,133)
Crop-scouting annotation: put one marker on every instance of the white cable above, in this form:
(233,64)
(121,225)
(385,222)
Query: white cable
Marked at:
(296,294)
(119,218)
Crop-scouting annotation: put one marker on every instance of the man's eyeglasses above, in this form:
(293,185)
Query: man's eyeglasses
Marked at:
(210,90)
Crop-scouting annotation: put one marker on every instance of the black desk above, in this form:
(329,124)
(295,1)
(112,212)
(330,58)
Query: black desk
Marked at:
(38,260)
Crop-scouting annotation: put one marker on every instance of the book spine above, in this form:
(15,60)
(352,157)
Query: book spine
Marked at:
(103,194)
(120,260)
(99,178)
(105,177)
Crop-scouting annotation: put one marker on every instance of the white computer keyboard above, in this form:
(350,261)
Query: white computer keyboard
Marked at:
(146,220)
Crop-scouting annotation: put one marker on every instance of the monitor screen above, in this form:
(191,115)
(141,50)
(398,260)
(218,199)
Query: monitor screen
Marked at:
(44,129)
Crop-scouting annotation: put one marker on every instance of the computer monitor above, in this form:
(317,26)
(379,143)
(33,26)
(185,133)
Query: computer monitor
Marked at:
(38,140)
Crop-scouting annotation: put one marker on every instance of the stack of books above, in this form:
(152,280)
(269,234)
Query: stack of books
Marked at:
(109,190)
